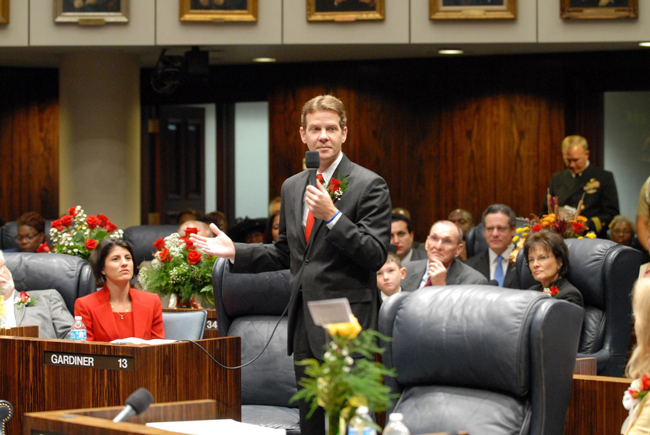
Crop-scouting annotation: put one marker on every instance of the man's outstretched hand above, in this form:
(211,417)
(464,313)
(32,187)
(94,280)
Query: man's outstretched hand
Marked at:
(219,246)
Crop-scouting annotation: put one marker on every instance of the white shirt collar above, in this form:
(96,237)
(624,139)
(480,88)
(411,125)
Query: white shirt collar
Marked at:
(329,172)
(506,254)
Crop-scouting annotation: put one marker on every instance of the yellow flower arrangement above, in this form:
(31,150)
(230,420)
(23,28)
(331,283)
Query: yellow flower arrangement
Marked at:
(340,383)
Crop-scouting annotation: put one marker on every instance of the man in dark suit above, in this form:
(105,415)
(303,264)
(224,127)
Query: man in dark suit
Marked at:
(401,235)
(598,186)
(334,242)
(443,245)
(499,223)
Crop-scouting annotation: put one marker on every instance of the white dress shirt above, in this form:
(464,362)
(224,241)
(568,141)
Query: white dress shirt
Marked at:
(505,261)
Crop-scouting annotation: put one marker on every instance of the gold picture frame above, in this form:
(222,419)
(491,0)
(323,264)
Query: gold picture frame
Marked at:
(4,11)
(218,11)
(473,9)
(598,9)
(346,10)
(91,13)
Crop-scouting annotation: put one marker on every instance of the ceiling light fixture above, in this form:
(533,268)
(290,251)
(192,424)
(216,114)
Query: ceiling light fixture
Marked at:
(644,44)
(264,59)
(450,51)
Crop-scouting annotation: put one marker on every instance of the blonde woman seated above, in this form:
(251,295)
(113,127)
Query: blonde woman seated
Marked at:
(635,399)
(117,310)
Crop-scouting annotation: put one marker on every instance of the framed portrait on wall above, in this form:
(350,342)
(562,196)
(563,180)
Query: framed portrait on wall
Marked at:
(345,10)
(216,11)
(473,9)
(4,11)
(91,12)
(599,9)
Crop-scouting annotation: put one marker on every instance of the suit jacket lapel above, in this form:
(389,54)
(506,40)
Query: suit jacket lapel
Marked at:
(341,171)
(104,311)
(19,313)
(142,316)
(453,272)
(299,191)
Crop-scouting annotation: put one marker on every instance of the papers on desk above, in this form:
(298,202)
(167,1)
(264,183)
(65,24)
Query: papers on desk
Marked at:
(211,427)
(134,340)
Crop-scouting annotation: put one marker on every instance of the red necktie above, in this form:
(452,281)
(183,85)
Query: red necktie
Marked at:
(310,217)
(428,283)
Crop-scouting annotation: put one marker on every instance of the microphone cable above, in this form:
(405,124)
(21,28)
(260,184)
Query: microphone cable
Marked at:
(254,359)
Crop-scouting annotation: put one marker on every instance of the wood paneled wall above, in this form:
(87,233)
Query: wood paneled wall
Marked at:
(444,134)
(29,142)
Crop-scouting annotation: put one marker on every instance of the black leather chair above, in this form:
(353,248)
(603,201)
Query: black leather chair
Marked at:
(142,237)
(481,359)
(71,276)
(6,412)
(10,231)
(249,306)
(604,272)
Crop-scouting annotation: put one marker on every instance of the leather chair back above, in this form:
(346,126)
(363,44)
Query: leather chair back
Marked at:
(604,272)
(481,359)
(250,306)
(6,412)
(184,325)
(142,237)
(10,231)
(71,276)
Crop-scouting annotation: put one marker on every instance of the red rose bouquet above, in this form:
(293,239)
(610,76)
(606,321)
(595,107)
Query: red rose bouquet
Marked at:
(78,234)
(178,268)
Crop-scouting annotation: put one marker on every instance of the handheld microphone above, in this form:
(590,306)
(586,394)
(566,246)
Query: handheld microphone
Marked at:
(312,162)
(136,404)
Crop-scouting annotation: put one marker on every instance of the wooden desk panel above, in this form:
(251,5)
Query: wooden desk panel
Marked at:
(596,405)
(20,331)
(172,372)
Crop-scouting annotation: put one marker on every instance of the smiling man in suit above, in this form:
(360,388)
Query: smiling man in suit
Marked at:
(334,239)
(499,222)
(46,310)
(443,246)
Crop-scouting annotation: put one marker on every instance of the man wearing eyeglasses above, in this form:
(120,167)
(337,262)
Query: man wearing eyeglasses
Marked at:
(493,263)
(444,245)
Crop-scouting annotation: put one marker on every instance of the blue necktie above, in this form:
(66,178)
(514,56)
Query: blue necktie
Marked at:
(498,272)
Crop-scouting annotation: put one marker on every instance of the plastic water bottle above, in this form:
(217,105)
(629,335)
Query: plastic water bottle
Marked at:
(396,426)
(78,330)
(361,423)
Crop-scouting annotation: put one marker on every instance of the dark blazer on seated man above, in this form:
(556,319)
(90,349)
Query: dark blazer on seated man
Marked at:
(481,263)
(458,273)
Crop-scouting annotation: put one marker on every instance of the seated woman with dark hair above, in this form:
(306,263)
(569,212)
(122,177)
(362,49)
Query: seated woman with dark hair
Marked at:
(31,231)
(117,310)
(547,257)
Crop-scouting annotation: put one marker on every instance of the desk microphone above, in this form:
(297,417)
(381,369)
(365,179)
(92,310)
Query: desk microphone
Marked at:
(312,162)
(136,404)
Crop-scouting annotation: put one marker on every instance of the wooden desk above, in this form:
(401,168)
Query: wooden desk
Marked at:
(107,374)
(98,421)
(596,405)
(20,331)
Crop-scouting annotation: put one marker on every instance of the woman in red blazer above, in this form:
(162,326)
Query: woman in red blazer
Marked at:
(117,310)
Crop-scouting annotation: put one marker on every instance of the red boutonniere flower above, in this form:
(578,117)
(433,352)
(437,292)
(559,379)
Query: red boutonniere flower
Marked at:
(552,291)
(159,244)
(637,391)
(25,300)
(336,188)
(92,222)
(193,257)
(164,256)
(66,221)
(102,220)
(91,244)
(43,248)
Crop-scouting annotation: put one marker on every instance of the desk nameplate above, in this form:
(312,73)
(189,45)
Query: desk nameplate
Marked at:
(100,362)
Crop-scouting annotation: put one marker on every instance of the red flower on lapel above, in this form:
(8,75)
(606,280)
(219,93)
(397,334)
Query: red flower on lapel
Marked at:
(25,300)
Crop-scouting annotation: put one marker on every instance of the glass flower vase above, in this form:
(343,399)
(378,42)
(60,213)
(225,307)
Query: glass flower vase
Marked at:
(334,424)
